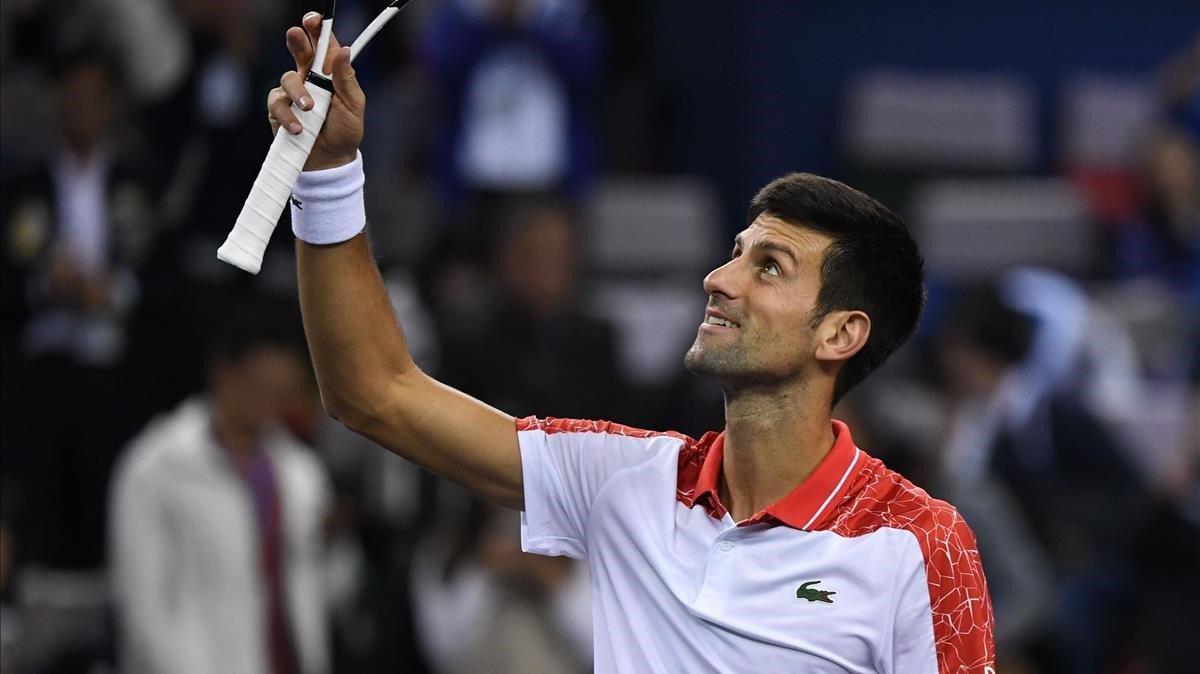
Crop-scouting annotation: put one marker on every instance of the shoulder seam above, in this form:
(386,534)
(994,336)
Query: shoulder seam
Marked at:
(554,425)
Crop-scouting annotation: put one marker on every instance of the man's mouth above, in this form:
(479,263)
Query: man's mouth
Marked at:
(713,318)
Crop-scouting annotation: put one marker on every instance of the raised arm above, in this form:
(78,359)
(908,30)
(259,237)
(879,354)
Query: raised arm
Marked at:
(367,377)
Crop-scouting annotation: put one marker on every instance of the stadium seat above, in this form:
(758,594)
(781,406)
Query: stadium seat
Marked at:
(1103,119)
(652,226)
(655,323)
(909,120)
(975,228)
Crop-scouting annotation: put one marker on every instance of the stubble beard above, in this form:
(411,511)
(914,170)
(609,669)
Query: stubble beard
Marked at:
(724,362)
(736,364)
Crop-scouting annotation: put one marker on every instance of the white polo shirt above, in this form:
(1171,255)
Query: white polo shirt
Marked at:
(856,570)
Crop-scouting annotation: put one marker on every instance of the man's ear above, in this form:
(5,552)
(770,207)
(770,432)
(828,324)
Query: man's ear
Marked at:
(841,334)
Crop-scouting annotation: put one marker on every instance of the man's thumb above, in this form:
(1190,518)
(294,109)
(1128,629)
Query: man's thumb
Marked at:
(344,81)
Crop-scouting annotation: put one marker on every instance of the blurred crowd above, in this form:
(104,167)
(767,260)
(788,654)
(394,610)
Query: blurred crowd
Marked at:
(174,498)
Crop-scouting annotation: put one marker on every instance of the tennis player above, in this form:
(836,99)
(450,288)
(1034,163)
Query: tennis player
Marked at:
(775,545)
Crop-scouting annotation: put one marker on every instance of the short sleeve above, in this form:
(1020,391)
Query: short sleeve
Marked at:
(950,609)
(564,465)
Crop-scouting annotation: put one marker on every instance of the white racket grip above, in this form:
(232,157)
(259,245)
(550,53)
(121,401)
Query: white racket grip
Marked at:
(247,242)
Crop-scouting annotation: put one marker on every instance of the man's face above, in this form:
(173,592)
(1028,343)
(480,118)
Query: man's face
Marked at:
(261,386)
(537,264)
(757,327)
(86,105)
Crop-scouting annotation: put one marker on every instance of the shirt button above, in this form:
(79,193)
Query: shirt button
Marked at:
(725,546)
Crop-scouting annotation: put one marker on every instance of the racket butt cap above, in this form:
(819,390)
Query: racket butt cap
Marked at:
(230,252)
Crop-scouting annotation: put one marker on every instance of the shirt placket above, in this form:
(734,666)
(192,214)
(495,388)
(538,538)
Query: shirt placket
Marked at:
(720,572)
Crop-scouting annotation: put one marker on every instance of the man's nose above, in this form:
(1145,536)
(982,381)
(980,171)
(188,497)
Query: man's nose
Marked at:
(722,281)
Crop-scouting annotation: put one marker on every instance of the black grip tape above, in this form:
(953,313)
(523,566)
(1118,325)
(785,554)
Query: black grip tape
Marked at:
(319,80)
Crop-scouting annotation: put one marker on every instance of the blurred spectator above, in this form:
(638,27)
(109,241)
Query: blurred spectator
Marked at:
(211,129)
(527,346)
(218,520)
(78,230)
(382,506)
(211,125)
(1077,345)
(1075,488)
(1166,555)
(634,96)
(79,227)
(1164,240)
(152,41)
(1180,84)
(515,81)
(483,606)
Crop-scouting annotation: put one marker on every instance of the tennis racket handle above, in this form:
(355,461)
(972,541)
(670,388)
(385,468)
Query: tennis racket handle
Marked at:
(272,188)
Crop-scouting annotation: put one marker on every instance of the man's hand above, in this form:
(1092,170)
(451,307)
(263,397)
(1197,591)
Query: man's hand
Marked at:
(339,139)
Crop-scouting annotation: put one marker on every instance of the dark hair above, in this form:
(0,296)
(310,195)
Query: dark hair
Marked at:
(980,315)
(872,266)
(249,324)
(519,210)
(69,61)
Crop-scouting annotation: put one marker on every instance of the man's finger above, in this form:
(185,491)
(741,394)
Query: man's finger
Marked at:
(334,46)
(279,108)
(293,84)
(312,25)
(344,81)
(300,48)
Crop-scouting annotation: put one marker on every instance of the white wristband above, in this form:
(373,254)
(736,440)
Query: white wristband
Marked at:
(327,205)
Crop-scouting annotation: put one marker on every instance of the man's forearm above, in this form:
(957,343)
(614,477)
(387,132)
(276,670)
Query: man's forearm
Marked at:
(369,382)
(357,347)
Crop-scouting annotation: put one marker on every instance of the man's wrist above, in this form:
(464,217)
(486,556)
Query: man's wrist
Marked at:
(326,163)
(327,204)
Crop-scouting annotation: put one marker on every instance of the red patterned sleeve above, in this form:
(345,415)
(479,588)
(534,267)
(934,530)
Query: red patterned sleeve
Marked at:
(963,626)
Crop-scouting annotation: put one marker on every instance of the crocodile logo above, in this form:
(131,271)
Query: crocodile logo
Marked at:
(807,591)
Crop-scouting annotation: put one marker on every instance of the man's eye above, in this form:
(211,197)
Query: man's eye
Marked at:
(771,268)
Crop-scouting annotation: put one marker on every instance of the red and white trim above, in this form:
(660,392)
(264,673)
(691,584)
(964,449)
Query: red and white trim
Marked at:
(803,508)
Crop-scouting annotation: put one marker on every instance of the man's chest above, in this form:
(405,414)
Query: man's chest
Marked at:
(781,597)
(219,522)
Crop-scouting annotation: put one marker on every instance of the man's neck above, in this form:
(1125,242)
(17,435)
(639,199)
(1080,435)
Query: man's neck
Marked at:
(81,154)
(774,439)
(239,442)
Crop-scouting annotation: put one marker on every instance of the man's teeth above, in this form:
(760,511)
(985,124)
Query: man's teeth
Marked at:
(713,320)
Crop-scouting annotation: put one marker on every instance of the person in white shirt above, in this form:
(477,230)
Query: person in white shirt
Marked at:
(217,522)
(482,606)
(775,545)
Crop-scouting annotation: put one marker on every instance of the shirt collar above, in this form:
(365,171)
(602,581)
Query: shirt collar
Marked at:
(805,506)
